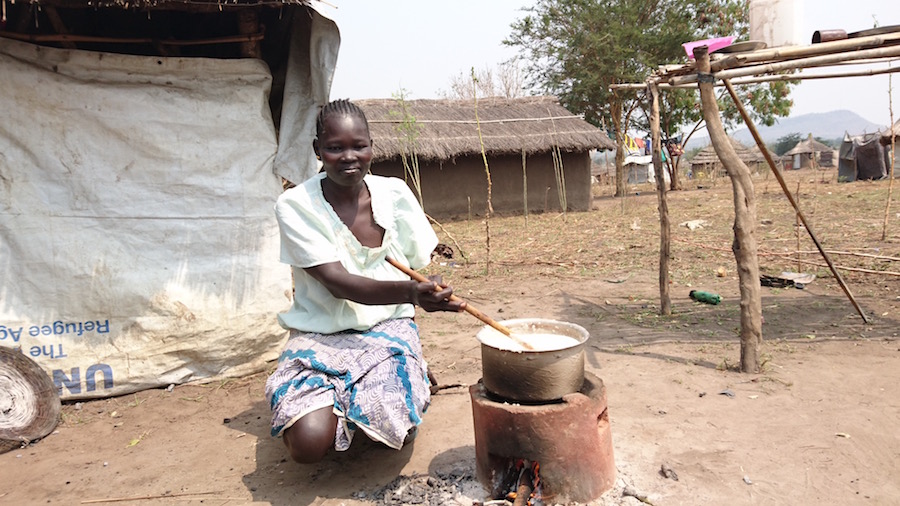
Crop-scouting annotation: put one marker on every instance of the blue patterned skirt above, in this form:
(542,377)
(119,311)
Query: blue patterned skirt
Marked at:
(375,380)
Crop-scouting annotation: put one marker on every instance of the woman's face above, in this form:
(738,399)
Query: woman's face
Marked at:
(345,149)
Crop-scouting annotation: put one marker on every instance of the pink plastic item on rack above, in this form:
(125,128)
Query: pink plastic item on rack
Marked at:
(712,44)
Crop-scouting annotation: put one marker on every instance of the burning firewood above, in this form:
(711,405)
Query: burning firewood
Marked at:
(524,476)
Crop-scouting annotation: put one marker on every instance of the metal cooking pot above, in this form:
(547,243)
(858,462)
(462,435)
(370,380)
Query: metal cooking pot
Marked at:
(533,376)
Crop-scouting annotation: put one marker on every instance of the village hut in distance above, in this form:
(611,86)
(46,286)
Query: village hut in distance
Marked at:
(537,151)
(706,162)
(802,154)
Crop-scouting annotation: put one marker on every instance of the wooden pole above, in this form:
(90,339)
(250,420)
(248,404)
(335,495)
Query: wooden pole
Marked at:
(58,25)
(798,224)
(744,245)
(616,111)
(665,302)
(887,206)
(815,166)
(489,207)
(248,24)
(469,308)
(790,198)
(524,188)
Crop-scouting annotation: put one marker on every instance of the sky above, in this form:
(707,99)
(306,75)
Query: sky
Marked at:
(420,45)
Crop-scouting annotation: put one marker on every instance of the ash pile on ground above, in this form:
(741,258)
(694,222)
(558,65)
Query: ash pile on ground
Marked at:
(460,487)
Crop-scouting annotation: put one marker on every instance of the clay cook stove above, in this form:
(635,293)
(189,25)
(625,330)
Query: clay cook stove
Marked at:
(565,445)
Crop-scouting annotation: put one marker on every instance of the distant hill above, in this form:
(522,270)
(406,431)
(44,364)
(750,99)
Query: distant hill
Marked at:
(825,125)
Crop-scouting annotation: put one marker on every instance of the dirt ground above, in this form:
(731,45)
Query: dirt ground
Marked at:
(817,426)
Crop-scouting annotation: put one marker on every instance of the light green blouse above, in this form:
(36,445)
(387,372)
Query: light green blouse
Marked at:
(313,234)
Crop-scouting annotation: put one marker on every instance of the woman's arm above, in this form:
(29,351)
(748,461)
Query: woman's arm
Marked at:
(363,290)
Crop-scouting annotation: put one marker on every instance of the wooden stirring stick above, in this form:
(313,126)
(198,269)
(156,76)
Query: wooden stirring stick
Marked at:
(469,308)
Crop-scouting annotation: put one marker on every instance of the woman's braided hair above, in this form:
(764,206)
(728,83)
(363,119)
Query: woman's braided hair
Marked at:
(340,107)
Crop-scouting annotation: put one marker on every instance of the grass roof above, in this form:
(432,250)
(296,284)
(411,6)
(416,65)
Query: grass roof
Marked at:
(446,129)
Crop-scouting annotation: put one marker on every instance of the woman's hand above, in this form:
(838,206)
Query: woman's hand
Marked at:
(435,296)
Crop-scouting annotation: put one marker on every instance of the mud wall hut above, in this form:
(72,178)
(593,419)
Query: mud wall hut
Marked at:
(139,248)
(533,146)
(706,162)
(802,154)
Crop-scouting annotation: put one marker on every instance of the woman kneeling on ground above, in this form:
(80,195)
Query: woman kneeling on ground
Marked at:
(353,359)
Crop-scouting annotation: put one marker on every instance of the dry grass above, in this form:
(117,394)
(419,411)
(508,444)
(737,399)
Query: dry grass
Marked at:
(621,235)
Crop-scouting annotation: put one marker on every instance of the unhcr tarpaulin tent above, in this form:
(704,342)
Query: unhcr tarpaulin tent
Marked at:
(890,139)
(862,157)
(639,169)
(138,246)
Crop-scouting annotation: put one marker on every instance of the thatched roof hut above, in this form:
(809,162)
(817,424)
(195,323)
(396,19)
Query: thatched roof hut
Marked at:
(758,156)
(538,152)
(707,160)
(708,156)
(807,146)
(802,154)
(447,129)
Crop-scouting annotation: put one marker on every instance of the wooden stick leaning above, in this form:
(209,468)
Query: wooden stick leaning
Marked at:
(787,193)
(469,308)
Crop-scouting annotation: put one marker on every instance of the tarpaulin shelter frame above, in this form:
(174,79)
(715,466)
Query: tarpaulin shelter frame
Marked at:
(763,65)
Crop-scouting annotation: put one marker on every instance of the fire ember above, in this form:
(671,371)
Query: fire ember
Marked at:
(522,484)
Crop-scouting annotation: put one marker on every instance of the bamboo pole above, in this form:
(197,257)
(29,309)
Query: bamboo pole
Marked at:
(744,245)
(787,193)
(766,79)
(665,302)
(890,51)
(871,61)
(788,52)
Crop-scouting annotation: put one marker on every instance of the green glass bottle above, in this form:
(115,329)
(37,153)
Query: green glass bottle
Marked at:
(705,297)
